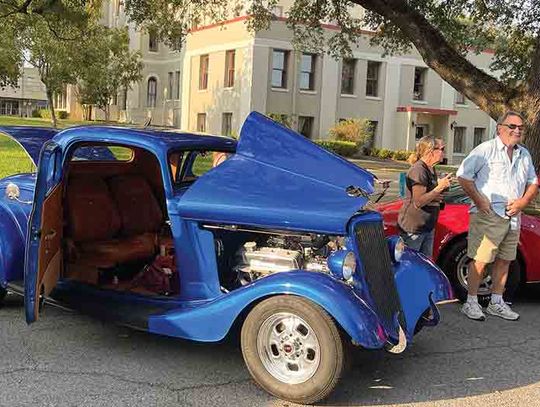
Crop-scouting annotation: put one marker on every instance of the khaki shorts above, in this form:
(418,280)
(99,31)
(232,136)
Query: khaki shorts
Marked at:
(490,236)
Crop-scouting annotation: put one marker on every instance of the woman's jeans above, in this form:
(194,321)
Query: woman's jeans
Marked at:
(423,241)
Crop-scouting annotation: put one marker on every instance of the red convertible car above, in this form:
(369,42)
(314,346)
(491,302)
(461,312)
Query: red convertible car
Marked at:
(450,247)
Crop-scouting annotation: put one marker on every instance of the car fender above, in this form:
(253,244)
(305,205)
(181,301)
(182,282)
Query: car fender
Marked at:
(211,321)
(12,241)
(415,276)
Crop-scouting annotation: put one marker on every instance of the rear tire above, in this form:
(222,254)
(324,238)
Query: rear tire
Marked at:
(455,265)
(293,349)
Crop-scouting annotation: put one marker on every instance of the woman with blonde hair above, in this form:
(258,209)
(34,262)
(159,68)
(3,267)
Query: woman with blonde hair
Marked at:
(418,215)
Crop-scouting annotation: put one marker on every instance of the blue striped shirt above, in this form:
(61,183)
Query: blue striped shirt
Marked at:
(495,176)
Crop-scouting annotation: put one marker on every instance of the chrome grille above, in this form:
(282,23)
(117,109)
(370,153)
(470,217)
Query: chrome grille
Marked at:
(377,265)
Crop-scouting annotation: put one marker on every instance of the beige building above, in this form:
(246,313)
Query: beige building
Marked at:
(224,72)
(28,95)
(399,94)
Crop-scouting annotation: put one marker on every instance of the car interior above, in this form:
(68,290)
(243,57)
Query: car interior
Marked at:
(115,233)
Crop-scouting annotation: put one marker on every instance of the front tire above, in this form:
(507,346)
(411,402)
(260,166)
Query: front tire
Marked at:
(455,265)
(293,349)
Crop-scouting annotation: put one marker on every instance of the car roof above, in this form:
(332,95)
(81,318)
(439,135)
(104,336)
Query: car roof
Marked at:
(164,138)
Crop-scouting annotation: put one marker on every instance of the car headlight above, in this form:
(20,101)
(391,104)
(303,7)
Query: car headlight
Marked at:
(342,264)
(396,246)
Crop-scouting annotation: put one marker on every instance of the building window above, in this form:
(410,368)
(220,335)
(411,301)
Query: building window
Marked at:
(123,105)
(419,83)
(277,11)
(151,92)
(177,85)
(307,72)
(305,125)
(280,60)
(459,140)
(479,135)
(203,72)
(421,131)
(201,122)
(229,68)
(373,131)
(226,124)
(372,78)
(348,70)
(60,99)
(152,42)
(170,89)
(460,99)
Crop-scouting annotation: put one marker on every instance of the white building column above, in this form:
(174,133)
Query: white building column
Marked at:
(186,92)
(390,123)
(329,93)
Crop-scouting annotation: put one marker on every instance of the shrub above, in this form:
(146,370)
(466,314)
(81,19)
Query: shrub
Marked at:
(281,118)
(343,148)
(45,113)
(374,151)
(401,155)
(36,113)
(358,131)
(62,114)
(385,153)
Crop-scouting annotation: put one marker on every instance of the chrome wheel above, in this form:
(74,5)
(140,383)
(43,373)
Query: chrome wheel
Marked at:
(463,271)
(288,348)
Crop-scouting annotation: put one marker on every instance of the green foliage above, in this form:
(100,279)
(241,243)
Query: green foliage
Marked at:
(283,119)
(44,113)
(115,67)
(36,113)
(358,131)
(385,153)
(343,148)
(62,114)
(401,155)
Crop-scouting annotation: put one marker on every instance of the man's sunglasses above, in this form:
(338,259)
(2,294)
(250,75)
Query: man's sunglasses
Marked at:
(513,126)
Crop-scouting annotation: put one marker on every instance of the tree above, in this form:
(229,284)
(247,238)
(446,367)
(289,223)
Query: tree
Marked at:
(115,68)
(56,60)
(52,16)
(443,32)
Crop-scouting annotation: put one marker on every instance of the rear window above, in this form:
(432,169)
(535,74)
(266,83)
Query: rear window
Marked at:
(102,153)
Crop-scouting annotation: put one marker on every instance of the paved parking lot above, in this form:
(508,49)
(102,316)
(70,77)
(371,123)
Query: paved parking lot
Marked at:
(67,359)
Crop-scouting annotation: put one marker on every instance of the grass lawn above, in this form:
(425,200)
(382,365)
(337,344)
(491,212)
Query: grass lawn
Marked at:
(13,159)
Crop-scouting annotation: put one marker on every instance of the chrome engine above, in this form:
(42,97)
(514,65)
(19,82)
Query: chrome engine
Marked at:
(284,253)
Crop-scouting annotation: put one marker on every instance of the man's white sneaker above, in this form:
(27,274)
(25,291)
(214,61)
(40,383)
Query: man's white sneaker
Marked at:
(502,310)
(473,310)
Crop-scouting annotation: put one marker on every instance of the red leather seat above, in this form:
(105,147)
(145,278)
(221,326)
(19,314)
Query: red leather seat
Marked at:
(95,226)
(137,205)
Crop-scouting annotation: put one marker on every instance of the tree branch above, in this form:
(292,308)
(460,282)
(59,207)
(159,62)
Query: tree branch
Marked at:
(484,90)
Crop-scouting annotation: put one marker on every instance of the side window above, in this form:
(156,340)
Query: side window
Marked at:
(202,162)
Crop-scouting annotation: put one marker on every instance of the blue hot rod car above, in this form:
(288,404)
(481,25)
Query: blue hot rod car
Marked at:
(137,226)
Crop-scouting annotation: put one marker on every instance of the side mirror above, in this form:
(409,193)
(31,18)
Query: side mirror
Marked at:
(12,191)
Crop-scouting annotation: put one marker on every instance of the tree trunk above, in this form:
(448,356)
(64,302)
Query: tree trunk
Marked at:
(51,107)
(107,113)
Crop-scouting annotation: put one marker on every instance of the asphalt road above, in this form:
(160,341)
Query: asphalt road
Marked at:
(67,359)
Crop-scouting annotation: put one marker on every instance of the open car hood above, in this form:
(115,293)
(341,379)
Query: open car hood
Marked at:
(278,179)
(31,139)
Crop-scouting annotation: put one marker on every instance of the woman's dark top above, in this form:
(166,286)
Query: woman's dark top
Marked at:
(416,220)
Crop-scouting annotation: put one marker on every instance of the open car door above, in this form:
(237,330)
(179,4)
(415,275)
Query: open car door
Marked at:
(44,240)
